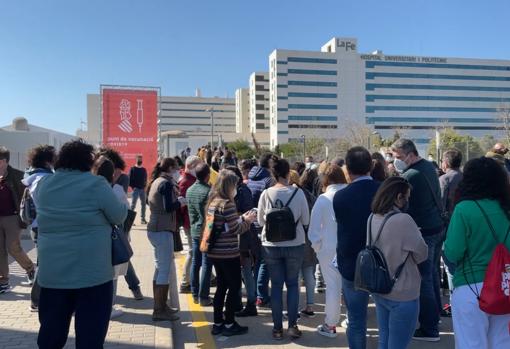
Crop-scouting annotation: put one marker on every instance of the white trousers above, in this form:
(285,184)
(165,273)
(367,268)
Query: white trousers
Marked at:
(475,328)
(333,281)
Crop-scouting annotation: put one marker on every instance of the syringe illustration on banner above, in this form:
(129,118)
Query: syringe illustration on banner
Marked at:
(139,114)
(125,115)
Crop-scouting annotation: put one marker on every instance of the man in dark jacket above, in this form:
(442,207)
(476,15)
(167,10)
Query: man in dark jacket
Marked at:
(259,179)
(138,182)
(11,192)
(352,207)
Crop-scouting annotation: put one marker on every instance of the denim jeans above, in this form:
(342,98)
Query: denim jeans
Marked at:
(91,306)
(262,280)
(357,304)
(201,268)
(430,295)
(248,272)
(186,272)
(163,243)
(284,264)
(139,193)
(131,277)
(396,321)
(308,276)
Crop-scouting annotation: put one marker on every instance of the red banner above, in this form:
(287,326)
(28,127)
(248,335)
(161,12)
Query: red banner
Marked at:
(130,124)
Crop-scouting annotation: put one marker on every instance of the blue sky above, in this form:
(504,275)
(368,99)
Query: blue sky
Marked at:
(54,52)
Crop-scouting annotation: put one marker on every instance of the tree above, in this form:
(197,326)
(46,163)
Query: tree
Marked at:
(242,149)
(449,138)
(504,116)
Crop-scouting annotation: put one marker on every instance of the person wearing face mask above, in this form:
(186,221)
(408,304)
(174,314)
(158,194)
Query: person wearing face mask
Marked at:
(187,180)
(138,182)
(426,209)
(401,243)
(164,203)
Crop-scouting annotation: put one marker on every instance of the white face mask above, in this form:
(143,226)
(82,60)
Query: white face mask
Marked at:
(176,176)
(400,165)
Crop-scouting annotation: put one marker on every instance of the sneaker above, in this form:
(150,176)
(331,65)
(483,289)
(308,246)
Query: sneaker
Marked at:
(277,335)
(137,294)
(33,308)
(234,330)
(307,313)
(30,278)
(5,288)
(327,331)
(116,313)
(217,329)
(263,304)
(143,221)
(195,300)
(206,302)
(185,288)
(294,332)
(419,335)
(345,323)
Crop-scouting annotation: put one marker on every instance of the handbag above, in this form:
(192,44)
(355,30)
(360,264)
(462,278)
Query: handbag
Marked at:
(121,249)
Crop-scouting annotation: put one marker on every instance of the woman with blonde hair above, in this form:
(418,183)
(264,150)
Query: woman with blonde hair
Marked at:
(224,253)
(322,233)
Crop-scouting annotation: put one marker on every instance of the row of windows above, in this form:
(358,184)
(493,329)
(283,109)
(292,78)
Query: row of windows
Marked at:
(372,120)
(312,72)
(282,86)
(372,98)
(281,62)
(198,110)
(313,126)
(282,74)
(312,118)
(196,125)
(196,103)
(260,88)
(373,64)
(260,78)
(371,109)
(432,127)
(313,106)
(283,132)
(260,116)
(311,60)
(167,117)
(372,76)
(312,83)
(371,87)
(313,95)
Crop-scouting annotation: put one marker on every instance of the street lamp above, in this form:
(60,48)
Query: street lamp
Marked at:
(304,147)
(212,126)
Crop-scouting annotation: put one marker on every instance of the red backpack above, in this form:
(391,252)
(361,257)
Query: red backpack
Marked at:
(495,295)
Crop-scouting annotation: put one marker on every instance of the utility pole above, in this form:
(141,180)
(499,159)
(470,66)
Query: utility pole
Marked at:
(304,147)
(212,126)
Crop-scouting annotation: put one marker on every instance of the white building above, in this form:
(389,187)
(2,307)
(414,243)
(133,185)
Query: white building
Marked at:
(243,111)
(20,137)
(259,106)
(318,93)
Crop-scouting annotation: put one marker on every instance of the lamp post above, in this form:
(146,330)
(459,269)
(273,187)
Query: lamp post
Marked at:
(304,147)
(212,126)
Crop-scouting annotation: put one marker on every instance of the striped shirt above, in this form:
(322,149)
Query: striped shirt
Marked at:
(231,225)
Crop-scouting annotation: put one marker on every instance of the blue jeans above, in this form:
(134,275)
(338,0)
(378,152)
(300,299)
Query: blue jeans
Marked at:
(131,278)
(248,272)
(430,295)
(396,321)
(200,263)
(357,304)
(139,193)
(284,264)
(163,243)
(262,280)
(308,275)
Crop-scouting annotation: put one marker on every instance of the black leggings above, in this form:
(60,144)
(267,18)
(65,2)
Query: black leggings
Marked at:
(91,307)
(228,276)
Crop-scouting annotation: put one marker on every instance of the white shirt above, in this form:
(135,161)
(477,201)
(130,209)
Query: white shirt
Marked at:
(322,230)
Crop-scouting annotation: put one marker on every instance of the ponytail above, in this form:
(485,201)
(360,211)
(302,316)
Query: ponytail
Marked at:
(161,166)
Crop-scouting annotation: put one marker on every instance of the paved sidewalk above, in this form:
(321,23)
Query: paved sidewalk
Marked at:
(134,329)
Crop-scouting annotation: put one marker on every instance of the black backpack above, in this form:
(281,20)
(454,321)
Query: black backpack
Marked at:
(372,274)
(280,223)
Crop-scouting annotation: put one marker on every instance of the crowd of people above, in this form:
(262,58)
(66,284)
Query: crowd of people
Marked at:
(264,223)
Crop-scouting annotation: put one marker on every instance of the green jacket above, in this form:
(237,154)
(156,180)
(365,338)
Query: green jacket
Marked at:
(469,242)
(197,196)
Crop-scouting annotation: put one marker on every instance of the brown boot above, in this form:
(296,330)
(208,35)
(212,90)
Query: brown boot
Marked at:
(161,312)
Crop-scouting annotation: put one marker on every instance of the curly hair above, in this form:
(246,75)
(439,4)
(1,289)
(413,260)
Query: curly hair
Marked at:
(41,156)
(114,157)
(75,155)
(485,178)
